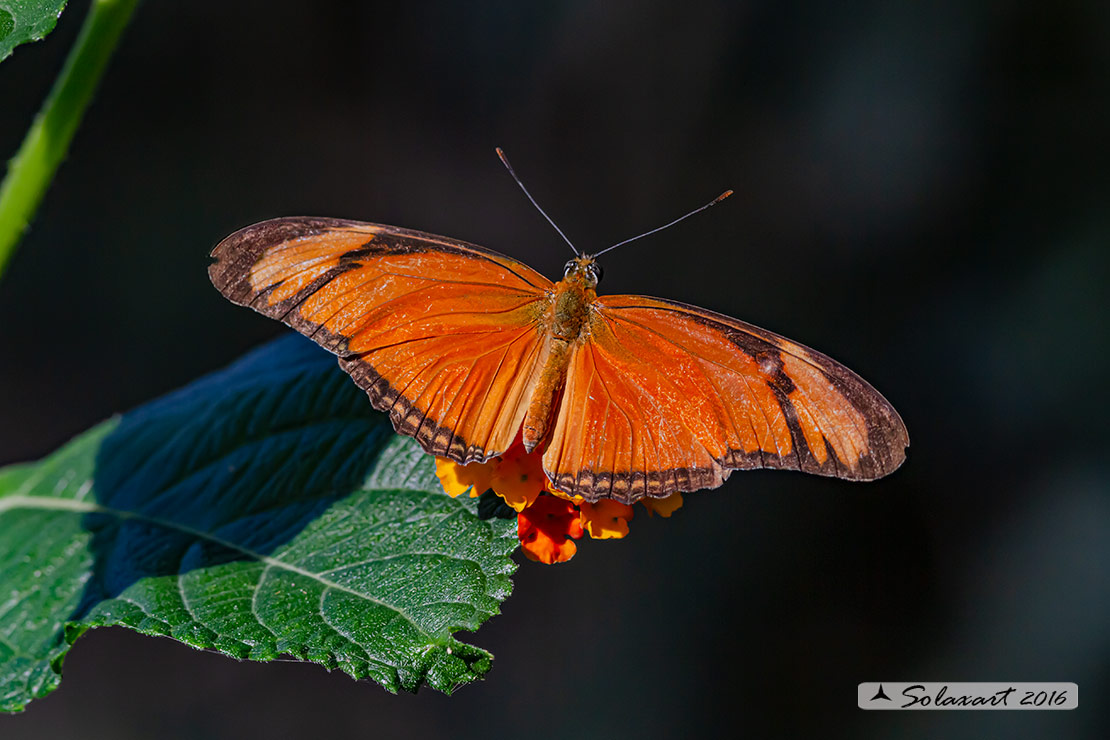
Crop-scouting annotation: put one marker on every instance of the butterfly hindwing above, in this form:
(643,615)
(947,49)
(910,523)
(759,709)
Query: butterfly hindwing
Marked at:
(685,396)
(442,335)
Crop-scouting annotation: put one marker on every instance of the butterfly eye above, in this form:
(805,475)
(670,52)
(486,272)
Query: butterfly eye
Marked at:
(597,272)
(568,268)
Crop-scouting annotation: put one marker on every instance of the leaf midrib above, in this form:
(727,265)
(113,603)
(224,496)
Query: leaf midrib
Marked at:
(17,501)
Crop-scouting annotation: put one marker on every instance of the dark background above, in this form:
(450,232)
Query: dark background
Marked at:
(921,192)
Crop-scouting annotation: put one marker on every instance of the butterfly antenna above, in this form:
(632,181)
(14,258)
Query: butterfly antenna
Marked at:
(711,203)
(509,167)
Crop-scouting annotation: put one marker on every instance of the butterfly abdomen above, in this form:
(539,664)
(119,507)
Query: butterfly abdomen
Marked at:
(565,323)
(552,378)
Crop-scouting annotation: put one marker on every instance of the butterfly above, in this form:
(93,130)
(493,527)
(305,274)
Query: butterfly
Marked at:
(626,396)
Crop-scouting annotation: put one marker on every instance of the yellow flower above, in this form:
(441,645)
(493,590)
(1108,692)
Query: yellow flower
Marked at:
(606,519)
(456,479)
(664,507)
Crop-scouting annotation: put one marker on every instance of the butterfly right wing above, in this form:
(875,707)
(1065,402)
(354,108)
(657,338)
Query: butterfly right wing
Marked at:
(444,336)
(663,397)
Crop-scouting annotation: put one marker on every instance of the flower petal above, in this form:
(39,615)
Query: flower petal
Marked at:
(518,477)
(457,479)
(664,507)
(550,488)
(547,530)
(606,519)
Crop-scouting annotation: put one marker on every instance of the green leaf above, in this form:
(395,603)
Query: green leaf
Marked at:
(26,20)
(264,510)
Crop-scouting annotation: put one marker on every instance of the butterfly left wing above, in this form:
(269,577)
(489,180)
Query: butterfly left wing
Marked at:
(663,397)
(441,334)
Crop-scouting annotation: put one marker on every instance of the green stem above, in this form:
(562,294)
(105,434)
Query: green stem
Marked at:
(46,143)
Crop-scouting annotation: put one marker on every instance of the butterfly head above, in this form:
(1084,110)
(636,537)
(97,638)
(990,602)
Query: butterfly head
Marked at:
(585,268)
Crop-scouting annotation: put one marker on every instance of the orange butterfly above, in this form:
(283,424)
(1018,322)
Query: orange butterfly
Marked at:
(627,396)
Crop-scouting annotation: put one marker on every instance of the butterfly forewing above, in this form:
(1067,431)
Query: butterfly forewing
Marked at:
(443,335)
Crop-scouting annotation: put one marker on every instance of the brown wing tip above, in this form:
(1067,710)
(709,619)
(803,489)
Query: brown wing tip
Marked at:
(887,442)
(257,238)
(891,440)
(237,253)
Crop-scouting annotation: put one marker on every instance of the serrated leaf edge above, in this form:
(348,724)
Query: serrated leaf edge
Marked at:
(74,629)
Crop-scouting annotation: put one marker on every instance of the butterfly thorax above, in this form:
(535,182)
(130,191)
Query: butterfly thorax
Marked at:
(573,296)
(566,322)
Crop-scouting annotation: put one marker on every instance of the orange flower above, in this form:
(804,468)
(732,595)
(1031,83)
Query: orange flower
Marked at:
(518,476)
(664,507)
(548,520)
(606,519)
(515,476)
(547,530)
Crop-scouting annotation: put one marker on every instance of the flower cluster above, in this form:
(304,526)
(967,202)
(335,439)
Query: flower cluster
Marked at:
(548,520)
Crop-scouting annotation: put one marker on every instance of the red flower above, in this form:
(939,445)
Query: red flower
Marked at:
(547,530)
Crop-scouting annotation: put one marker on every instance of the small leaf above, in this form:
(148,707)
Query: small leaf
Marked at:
(26,20)
(265,510)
